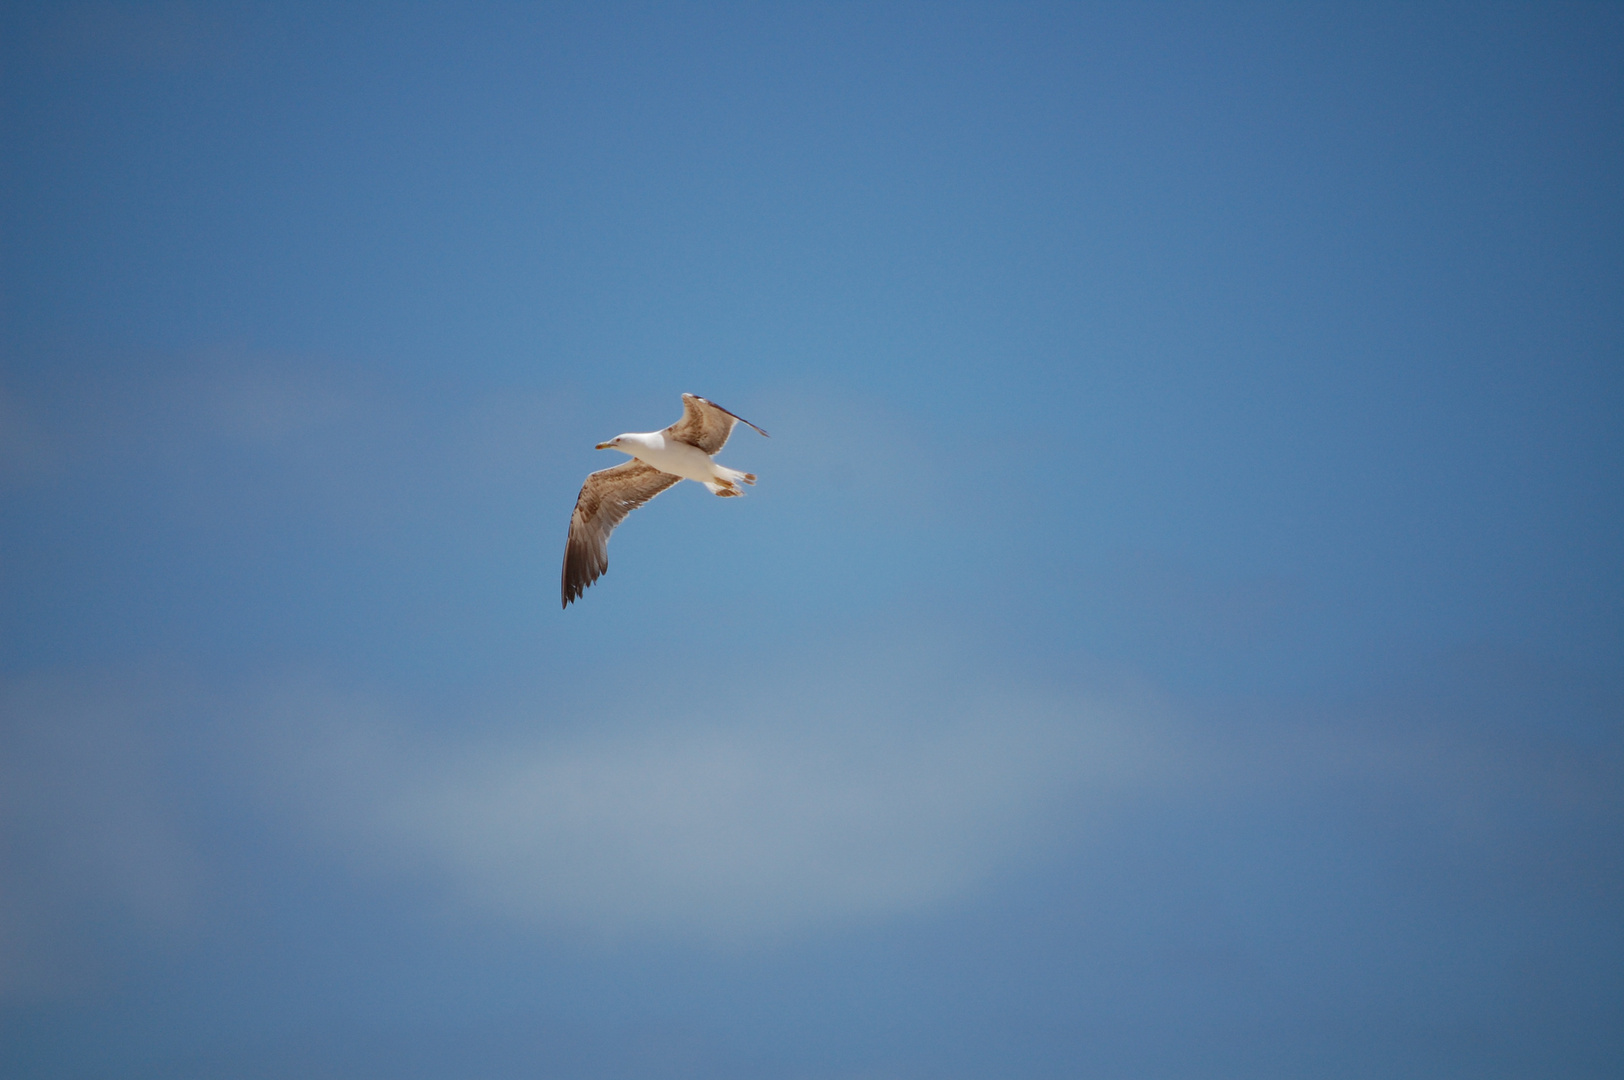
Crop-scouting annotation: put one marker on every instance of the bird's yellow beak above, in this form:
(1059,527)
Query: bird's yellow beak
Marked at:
(606,446)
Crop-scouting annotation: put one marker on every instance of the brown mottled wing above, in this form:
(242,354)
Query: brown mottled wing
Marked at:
(705,424)
(606,498)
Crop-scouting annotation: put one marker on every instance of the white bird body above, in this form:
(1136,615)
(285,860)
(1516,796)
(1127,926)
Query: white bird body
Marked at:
(659,459)
(671,456)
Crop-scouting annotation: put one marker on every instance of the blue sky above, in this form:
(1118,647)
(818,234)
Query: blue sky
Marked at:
(1177,631)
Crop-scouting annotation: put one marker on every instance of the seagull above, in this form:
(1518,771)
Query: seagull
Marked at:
(659,459)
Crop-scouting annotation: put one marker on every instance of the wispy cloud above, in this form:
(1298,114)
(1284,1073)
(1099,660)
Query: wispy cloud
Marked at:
(342,443)
(160,37)
(861,789)
(867,783)
(90,832)
(821,808)
(24,452)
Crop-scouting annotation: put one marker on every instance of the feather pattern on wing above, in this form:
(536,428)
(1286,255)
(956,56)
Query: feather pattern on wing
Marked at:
(606,498)
(705,424)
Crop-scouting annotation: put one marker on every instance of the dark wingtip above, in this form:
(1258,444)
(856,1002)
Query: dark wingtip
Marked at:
(576,588)
(730,412)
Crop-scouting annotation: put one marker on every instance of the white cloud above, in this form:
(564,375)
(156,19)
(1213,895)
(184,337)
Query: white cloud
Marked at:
(854,790)
(259,400)
(167,36)
(25,454)
(857,787)
(821,809)
(88,831)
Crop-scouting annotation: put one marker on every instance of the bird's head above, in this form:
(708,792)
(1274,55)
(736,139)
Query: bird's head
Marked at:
(616,443)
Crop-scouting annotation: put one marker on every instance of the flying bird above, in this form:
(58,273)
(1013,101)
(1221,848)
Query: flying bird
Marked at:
(659,459)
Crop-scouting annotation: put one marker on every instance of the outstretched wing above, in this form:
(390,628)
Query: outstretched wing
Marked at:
(705,424)
(606,498)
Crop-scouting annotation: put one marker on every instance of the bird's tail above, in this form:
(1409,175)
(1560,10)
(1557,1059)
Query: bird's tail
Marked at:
(728,481)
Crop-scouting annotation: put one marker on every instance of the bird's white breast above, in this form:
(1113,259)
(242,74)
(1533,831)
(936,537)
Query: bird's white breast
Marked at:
(677,458)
